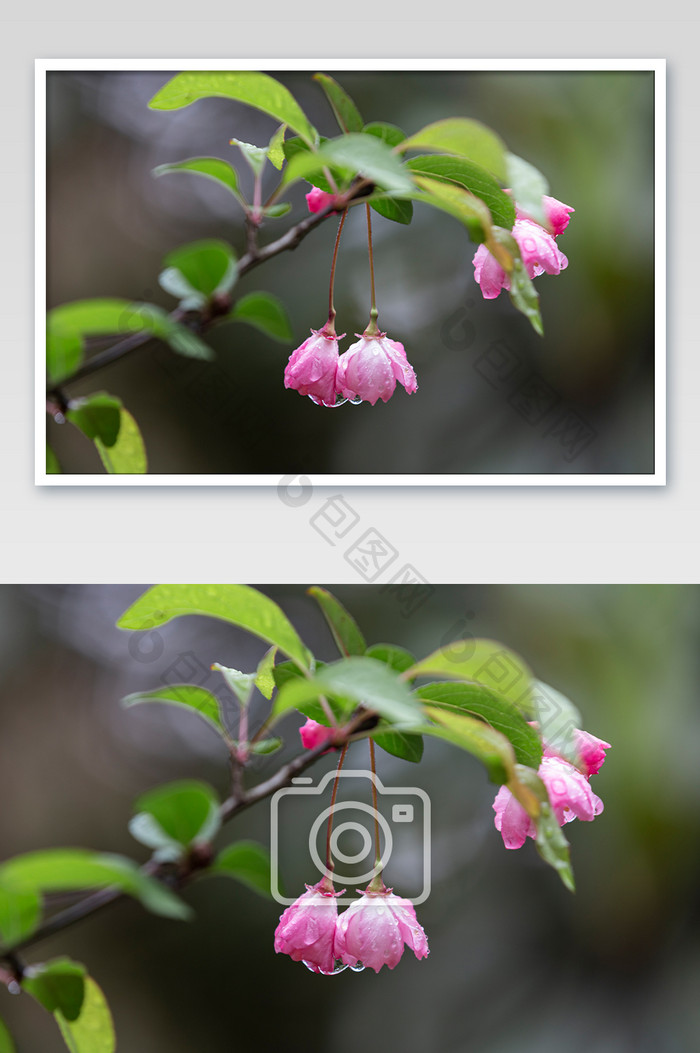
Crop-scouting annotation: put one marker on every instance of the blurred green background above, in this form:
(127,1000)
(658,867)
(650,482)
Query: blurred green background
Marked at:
(493,397)
(517,964)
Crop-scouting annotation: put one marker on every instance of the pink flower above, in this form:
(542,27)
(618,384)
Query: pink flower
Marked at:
(312,367)
(369,369)
(374,930)
(539,253)
(569,793)
(314,734)
(306,931)
(319,200)
(557,214)
(591,752)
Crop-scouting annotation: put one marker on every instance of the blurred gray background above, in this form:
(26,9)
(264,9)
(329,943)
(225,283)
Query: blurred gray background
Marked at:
(517,964)
(493,397)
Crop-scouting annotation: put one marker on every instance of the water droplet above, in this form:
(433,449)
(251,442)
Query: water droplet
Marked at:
(356,402)
(339,967)
(357,968)
(338,402)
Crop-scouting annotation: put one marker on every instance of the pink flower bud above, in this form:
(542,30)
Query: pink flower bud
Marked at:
(369,369)
(569,794)
(312,367)
(374,930)
(557,213)
(591,752)
(314,734)
(306,930)
(319,200)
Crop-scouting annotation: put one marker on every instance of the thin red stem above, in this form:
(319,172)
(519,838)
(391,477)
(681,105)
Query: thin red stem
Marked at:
(331,308)
(373,310)
(373,767)
(329,863)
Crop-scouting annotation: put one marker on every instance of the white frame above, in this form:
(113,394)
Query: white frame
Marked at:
(657,66)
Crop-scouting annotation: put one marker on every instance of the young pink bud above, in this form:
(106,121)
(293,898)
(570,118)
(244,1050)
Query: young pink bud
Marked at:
(306,930)
(319,200)
(374,930)
(591,752)
(312,367)
(369,369)
(314,734)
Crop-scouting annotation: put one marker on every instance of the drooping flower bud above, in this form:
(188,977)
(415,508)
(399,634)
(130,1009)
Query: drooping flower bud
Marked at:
(370,368)
(306,930)
(314,734)
(374,930)
(311,369)
(318,200)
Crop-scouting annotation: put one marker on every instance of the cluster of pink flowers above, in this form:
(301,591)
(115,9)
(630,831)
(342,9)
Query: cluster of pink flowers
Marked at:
(568,787)
(538,249)
(372,932)
(366,372)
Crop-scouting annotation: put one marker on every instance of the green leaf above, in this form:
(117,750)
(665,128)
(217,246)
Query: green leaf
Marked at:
(344,109)
(20,911)
(52,464)
(241,684)
(490,747)
(558,718)
(388,133)
(264,677)
(400,744)
(128,454)
(256,89)
(188,696)
(470,176)
(58,985)
(353,154)
(199,271)
(448,197)
(525,297)
(346,633)
(213,168)
(6,1043)
(256,156)
(498,712)
(61,869)
(397,658)
(64,353)
(265,312)
(553,846)
(285,671)
(296,146)
(275,151)
(238,604)
(528,187)
(361,680)
(98,416)
(276,211)
(395,209)
(265,746)
(460,135)
(484,662)
(93,1031)
(182,813)
(248,862)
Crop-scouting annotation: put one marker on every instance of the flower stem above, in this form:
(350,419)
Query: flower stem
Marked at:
(373,768)
(372,329)
(329,862)
(331,308)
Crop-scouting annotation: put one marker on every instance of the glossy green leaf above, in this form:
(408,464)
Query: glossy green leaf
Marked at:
(344,109)
(490,747)
(248,862)
(553,846)
(397,658)
(188,696)
(484,662)
(20,910)
(525,297)
(52,464)
(265,312)
(6,1043)
(400,744)
(98,416)
(241,684)
(61,869)
(256,89)
(256,156)
(213,168)
(277,211)
(64,353)
(395,209)
(285,671)
(463,136)
(296,146)
(239,604)
(275,149)
(558,719)
(264,676)
(93,1031)
(198,271)
(498,712)
(353,154)
(478,181)
(362,680)
(528,187)
(183,813)
(58,985)
(388,133)
(346,633)
(265,746)
(128,454)
(467,208)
